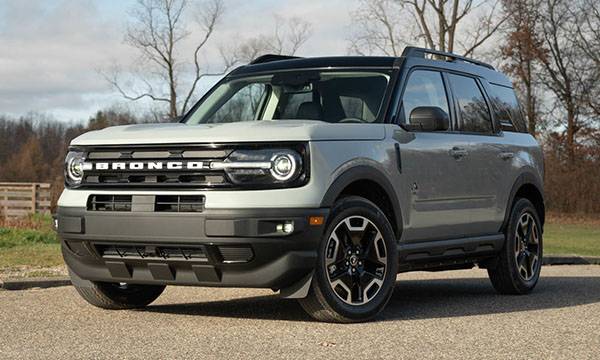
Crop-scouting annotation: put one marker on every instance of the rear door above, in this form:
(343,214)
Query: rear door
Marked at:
(480,138)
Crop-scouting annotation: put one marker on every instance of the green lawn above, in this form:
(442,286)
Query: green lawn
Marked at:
(570,239)
(36,247)
(39,248)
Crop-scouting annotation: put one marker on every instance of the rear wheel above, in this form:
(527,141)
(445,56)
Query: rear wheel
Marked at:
(520,262)
(357,264)
(115,296)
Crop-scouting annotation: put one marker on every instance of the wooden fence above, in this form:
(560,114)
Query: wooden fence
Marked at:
(21,199)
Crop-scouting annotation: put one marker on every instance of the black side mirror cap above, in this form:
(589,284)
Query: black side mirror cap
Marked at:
(429,118)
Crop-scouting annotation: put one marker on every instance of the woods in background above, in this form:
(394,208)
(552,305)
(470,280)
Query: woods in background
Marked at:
(549,48)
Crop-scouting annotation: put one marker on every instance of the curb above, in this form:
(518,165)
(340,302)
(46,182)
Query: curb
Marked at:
(42,283)
(571,260)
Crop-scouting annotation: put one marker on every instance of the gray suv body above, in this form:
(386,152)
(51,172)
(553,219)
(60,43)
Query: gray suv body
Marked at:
(321,178)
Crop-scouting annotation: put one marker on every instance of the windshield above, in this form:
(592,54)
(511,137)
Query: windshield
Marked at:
(331,96)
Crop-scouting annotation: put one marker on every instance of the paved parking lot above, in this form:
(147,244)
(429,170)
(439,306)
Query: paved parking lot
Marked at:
(431,315)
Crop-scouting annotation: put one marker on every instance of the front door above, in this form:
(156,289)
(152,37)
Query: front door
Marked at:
(447,198)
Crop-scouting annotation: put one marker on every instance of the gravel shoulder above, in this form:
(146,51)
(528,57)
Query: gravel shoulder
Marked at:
(431,315)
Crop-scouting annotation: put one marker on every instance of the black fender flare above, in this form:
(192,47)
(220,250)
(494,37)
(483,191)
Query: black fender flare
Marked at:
(525,178)
(364,172)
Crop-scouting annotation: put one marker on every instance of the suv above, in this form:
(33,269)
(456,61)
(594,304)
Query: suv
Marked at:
(320,178)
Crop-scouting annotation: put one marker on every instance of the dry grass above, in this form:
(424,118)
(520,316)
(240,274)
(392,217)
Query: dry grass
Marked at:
(573,219)
(31,222)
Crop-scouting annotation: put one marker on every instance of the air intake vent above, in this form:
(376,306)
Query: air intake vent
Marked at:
(139,252)
(109,203)
(236,254)
(179,203)
(140,203)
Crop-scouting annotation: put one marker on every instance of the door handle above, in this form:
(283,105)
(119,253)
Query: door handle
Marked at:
(506,155)
(458,153)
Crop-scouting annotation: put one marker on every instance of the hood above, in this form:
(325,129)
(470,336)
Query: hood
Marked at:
(250,131)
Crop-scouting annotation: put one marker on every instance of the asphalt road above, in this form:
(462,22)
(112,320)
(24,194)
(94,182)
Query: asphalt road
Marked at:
(431,315)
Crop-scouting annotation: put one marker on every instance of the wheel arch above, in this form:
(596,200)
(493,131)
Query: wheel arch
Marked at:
(370,183)
(530,187)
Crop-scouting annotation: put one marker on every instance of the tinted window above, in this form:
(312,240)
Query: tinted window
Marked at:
(474,112)
(506,107)
(424,88)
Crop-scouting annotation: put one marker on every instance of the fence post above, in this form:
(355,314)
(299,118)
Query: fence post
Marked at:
(5,203)
(33,198)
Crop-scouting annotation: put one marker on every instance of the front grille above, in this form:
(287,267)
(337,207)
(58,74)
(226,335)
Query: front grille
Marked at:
(141,252)
(147,203)
(141,167)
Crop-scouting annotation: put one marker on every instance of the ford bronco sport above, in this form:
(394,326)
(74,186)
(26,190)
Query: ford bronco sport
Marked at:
(320,178)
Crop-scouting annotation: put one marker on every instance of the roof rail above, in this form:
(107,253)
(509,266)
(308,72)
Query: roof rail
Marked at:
(411,51)
(271,57)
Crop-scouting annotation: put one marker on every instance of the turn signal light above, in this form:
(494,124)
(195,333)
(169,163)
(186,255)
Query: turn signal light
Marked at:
(316,220)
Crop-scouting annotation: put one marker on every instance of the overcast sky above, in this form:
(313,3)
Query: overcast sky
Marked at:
(51,51)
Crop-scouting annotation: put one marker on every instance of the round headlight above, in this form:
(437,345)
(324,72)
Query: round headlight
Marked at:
(74,167)
(283,166)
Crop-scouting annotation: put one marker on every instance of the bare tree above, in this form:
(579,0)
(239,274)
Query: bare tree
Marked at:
(441,24)
(567,71)
(381,26)
(522,50)
(157,31)
(588,39)
(287,38)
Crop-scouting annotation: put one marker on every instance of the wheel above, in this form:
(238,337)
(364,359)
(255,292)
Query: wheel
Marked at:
(520,261)
(118,296)
(357,264)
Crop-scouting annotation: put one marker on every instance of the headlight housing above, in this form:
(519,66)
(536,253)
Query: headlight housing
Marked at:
(265,167)
(74,167)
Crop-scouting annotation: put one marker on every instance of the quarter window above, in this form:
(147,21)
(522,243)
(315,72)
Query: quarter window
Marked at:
(506,107)
(424,88)
(474,111)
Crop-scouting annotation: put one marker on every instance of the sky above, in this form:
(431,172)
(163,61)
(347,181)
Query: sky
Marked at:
(53,52)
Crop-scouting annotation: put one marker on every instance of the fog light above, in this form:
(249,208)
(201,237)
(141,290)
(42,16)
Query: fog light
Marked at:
(286,228)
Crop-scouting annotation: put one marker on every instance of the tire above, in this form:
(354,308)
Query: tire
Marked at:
(339,294)
(115,296)
(519,264)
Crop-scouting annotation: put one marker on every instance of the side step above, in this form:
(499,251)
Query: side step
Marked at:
(448,252)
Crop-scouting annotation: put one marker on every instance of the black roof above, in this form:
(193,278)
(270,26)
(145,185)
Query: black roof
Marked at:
(416,56)
(317,62)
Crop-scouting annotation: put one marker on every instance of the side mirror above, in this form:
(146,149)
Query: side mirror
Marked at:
(429,118)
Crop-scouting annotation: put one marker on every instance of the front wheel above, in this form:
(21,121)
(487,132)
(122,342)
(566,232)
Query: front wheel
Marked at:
(357,264)
(519,263)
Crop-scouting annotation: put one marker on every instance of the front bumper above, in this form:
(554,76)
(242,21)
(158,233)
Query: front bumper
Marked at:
(229,248)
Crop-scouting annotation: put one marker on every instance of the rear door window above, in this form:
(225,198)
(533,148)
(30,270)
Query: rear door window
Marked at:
(474,113)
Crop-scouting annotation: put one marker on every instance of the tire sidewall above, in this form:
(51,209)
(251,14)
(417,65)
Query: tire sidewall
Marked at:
(352,206)
(522,206)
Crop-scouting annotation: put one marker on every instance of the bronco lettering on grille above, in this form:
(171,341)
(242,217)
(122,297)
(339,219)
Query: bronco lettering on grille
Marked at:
(151,165)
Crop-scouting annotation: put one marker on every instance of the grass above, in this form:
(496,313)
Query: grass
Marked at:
(572,239)
(29,243)
(32,244)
